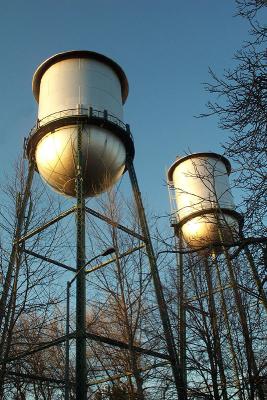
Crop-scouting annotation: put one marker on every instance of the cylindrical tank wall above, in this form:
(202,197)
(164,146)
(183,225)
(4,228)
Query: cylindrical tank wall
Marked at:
(66,86)
(204,200)
(201,183)
(79,81)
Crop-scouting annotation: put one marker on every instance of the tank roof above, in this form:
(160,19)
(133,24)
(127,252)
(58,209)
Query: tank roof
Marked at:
(79,54)
(179,160)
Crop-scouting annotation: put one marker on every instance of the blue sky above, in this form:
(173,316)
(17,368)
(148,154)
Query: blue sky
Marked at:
(165,48)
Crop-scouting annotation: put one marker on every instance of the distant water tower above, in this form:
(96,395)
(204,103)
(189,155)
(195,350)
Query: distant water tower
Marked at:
(80,88)
(205,211)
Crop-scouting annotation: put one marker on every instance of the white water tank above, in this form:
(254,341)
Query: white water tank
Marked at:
(205,209)
(80,90)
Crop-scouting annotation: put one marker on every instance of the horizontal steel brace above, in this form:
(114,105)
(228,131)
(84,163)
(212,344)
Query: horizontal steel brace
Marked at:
(127,373)
(115,224)
(123,345)
(37,377)
(90,383)
(32,253)
(46,225)
(42,347)
(92,336)
(206,294)
(218,289)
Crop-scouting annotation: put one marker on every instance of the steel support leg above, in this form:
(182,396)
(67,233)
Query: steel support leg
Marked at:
(15,249)
(67,346)
(156,278)
(253,371)
(7,286)
(81,370)
(182,325)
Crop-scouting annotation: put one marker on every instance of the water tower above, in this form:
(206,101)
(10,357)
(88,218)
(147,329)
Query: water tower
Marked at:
(86,89)
(205,211)
(81,147)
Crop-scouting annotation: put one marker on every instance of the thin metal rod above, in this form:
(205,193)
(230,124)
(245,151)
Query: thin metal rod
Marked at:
(123,345)
(67,346)
(8,295)
(255,274)
(69,283)
(113,259)
(163,310)
(206,294)
(229,336)
(182,322)
(46,225)
(49,260)
(92,336)
(128,373)
(82,269)
(114,223)
(218,289)
(240,243)
(32,377)
(91,383)
(218,359)
(81,370)
(250,292)
(42,347)
(15,249)
(251,362)
(204,332)
(253,371)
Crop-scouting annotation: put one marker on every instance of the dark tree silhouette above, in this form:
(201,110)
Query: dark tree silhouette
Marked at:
(239,99)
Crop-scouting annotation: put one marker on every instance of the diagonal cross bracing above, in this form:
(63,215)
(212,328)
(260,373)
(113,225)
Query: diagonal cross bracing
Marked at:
(123,345)
(92,336)
(46,225)
(114,223)
(59,264)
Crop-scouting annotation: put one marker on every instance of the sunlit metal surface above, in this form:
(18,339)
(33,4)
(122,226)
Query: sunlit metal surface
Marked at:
(210,229)
(201,183)
(80,55)
(79,82)
(103,155)
(84,82)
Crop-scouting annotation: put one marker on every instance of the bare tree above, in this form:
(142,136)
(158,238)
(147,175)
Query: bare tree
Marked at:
(240,102)
(123,312)
(28,284)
